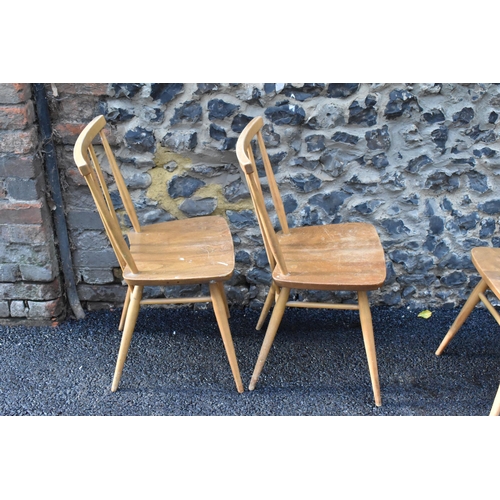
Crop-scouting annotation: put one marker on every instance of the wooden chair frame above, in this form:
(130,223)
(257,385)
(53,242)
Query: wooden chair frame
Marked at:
(144,272)
(486,260)
(284,277)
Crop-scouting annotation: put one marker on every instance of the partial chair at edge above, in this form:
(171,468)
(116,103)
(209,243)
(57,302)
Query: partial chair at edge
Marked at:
(486,260)
(196,250)
(333,257)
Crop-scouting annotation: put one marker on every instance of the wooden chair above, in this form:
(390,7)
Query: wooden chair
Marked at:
(330,257)
(486,260)
(191,251)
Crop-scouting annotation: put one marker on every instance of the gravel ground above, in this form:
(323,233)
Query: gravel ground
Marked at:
(177,365)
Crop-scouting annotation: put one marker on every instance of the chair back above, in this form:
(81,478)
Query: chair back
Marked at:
(88,164)
(251,138)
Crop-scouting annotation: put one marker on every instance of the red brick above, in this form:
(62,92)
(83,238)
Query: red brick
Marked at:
(18,142)
(67,133)
(24,167)
(17,117)
(21,213)
(14,93)
(96,89)
(77,108)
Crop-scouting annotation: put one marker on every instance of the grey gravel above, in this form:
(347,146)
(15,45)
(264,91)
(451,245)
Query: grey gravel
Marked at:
(317,366)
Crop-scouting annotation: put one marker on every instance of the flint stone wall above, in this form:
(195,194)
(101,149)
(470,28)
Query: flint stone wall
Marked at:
(419,161)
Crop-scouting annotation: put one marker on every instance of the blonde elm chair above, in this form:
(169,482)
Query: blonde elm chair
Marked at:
(346,256)
(486,260)
(192,251)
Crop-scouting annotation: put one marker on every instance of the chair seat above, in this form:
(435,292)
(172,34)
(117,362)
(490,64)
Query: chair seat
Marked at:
(487,262)
(346,256)
(196,250)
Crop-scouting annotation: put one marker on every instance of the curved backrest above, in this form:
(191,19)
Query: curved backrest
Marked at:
(252,135)
(89,166)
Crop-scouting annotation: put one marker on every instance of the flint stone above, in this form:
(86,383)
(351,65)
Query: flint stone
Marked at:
(468,222)
(239,122)
(305,163)
(138,181)
(442,181)
(399,102)
(478,182)
(180,140)
(487,228)
(394,227)
(126,89)
(345,138)
(229,144)
(206,88)
(329,202)
(493,117)
(216,132)
(368,207)
(439,136)
(315,143)
(183,186)
(166,92)
(198,206)
(141,140)
(306,183)
(378,161)
(190,111)
(261,260)
(416,164)
(242,219)
(306,92)
(487,152)
(341,89)
(257,276)
(219,109)
(286,114)
(434,116)
(116,115)
(436,225)
(490,207)
(454,279)
(378,138)
(478,135)
(271,138)
(326,117)
(289,203)
(464,116)
(242,256)
(236,191)
(359,115)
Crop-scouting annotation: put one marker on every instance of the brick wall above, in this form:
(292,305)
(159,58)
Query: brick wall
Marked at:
(29,273)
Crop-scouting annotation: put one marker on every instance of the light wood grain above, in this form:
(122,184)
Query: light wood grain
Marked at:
(191,251)
(332,257)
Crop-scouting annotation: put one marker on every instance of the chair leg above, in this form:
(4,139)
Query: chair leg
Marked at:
(125,307)
(463,315)
(220,284)
(272,329)
(495,409)
(267,306)
(219,304)
(132,313)
(367,329)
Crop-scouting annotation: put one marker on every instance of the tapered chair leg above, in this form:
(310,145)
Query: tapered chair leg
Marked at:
(132,313)
(220,284)
(369,340)
(495,409)
(270,299)
(472,301)
(272,329)
(220,304)
(125,308)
